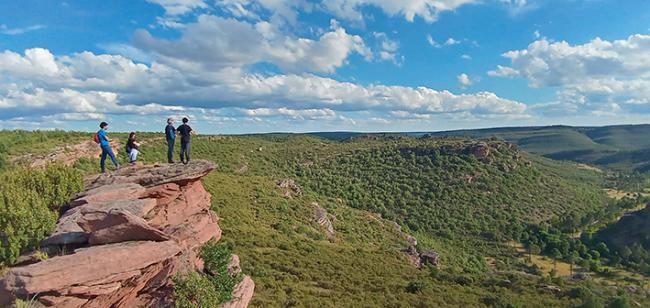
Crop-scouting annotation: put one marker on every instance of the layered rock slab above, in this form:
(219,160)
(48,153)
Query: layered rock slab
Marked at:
(122,240)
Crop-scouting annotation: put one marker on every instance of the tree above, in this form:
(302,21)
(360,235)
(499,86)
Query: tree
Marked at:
(533,249)
(555,253)
(573,257)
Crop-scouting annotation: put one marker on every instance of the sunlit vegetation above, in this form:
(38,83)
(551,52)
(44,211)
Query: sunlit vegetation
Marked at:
(211,287)
(29,206)
(466,207)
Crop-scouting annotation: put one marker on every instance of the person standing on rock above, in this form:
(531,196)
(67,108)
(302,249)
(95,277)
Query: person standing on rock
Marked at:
(185,131)
(105,145)
(170,135)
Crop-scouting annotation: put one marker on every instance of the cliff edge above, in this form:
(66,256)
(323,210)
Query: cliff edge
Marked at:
(122,239)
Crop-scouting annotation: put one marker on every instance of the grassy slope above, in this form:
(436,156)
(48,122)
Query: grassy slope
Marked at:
(290,258)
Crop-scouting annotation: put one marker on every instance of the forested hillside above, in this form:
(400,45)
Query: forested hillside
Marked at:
(623,147)
(465,199)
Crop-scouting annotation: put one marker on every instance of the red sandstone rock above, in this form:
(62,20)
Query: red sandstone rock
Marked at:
(86,265)
(196,230)
(192,199)
(233,267)
(242,294)
(113,192)
(150,176)
(68,231)
(114,226)
(139,226)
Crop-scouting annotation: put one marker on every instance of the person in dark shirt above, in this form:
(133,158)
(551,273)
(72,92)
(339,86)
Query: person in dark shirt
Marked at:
(170,135)
(185,131)
(132,148)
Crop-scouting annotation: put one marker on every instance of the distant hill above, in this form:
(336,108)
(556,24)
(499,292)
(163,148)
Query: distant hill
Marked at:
(621,147)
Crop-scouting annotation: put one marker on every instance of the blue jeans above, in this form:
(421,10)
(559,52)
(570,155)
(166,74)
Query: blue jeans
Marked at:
(185,151)
(106,150)
(170,150)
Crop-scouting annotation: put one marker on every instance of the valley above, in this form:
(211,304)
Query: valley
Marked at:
(468,200)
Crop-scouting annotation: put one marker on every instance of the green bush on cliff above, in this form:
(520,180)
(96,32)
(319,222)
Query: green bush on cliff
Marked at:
(213,286)
(216,257)
(194,290)
(29,204)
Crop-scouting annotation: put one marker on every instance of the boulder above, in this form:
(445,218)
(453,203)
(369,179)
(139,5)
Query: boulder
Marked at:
(62,301)
(552,289)
(430,257)
(233,266)
(68,231)
(164,193)
(114,226)
(190,199)
(196,230)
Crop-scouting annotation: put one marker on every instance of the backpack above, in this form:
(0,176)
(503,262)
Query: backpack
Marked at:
(96,138)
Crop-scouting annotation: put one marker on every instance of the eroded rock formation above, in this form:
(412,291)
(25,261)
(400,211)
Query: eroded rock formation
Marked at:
(123,239)
(322,218)
(66,155)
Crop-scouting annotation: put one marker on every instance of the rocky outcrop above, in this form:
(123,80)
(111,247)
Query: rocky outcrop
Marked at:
(242,294)
(122,240)
(480,150)
(289,187)
(66,155)
(413,254)
(322,218)
(243,291)
(429,257)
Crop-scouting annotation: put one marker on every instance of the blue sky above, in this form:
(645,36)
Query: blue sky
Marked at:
(238,66)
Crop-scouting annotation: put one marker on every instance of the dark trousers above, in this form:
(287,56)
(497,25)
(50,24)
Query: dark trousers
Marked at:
(170,150)
(107,151)
(185,151)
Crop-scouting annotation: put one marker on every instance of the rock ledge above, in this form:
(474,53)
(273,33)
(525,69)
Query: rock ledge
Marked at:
(123,239)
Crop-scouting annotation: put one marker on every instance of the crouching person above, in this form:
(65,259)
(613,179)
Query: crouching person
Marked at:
(132,148)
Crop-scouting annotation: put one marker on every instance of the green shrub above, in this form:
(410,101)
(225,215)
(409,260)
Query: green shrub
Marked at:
(212,287)
(415,287)
(29,204)
(620,302)
(194,290)
(216,257)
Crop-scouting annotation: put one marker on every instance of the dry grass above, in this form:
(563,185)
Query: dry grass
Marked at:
(588,167)
(619,194)
(619,276)
(545,264)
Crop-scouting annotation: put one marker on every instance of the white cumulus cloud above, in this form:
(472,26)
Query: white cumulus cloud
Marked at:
(595,76)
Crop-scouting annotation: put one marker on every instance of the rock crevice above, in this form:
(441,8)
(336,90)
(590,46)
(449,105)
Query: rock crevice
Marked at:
(122,240)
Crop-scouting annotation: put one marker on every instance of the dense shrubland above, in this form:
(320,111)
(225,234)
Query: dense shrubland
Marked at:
(450,194)
(29,206)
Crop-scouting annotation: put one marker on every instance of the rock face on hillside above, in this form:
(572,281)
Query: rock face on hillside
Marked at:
(124,238)
(66,155)
(322,218)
